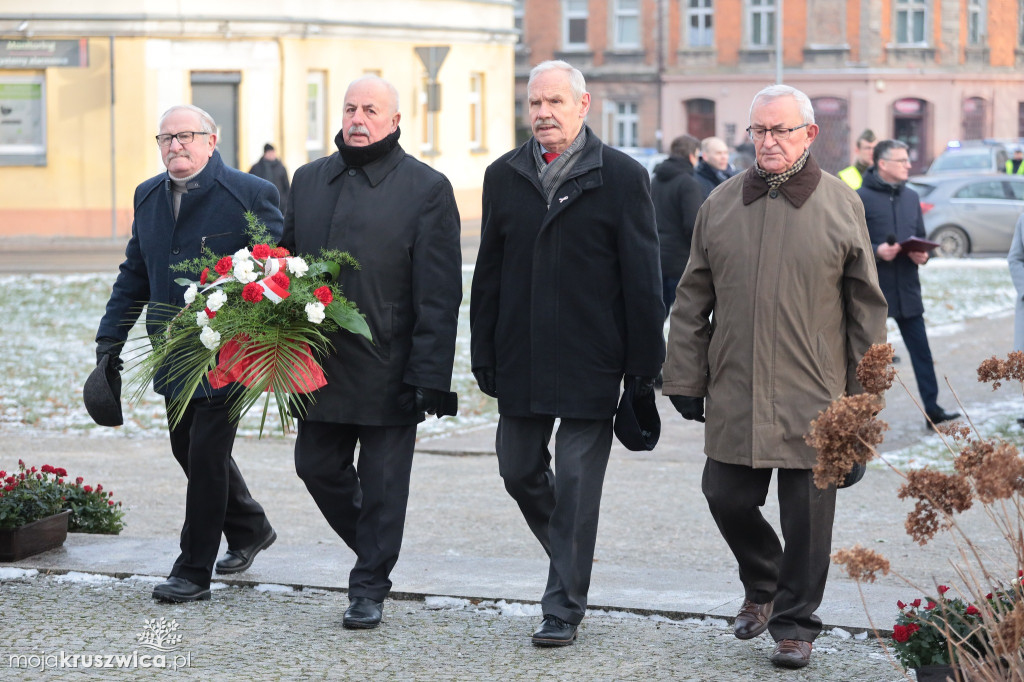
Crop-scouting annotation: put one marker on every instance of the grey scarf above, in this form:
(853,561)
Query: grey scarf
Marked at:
(552,174)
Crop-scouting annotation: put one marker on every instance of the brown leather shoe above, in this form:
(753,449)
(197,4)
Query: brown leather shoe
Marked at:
(752,619)
(792,653)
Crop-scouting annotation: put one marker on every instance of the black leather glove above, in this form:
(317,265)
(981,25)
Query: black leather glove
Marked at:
(691,408)
(485,378)
(428,400)
(111,347)
(641,385)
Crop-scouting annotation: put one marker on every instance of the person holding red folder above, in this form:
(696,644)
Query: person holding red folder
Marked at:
(896,226)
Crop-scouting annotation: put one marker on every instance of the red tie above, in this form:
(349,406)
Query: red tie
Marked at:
(549,156)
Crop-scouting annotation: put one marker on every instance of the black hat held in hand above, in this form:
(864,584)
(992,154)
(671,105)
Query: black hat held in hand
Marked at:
(102,394)
(637,424)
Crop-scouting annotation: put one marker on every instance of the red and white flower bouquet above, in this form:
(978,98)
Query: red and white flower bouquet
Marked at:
(255,320)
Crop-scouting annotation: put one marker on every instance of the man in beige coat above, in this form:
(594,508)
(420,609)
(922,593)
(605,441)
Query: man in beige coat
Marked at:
(778,303)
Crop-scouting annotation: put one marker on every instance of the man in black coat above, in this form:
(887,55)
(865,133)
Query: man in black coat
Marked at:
(893,214)
(270,168)
(566,299)
(677,197)
(714,167)
(398,218)
(199,202)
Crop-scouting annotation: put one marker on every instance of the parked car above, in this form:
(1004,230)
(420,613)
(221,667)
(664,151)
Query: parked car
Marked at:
(970,213)
(980,157)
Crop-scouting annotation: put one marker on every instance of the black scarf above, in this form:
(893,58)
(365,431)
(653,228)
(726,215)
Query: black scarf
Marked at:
(360,156)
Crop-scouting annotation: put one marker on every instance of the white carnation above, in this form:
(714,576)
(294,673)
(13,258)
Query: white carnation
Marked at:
(245,271)
(202,319)
(210,338)
(216,300)
(297,266)
(240,255)
(315,312)
(190,293)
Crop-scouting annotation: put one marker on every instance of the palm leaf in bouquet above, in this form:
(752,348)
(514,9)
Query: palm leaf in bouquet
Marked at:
(254,321)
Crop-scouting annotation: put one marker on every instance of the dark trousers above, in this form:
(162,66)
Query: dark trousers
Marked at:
(561,509)
(364,503)
(217,499)
(668,292)
(793,576)
(916,339)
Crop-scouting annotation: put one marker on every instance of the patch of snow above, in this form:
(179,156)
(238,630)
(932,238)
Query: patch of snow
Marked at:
(10,573)
(77,577)
(273,587)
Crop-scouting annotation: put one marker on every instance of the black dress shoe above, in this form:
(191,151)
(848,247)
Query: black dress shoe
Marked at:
(238,560)
(363,613)
(177,590)
(554,631)
(939,416)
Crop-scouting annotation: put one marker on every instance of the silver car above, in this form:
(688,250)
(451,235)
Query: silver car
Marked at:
(970,213)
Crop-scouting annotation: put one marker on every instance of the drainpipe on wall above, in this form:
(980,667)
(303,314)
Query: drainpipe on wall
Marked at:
(113,152)
(778,43)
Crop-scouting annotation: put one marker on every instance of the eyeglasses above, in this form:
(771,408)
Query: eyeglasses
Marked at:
(164,140)
(779,134)
(905,162)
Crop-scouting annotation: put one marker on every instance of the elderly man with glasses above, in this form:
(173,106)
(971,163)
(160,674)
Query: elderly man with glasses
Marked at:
(199,202)
(777,305)
(893,213)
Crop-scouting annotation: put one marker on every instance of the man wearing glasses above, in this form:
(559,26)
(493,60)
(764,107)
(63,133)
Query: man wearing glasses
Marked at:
(199,202)
(893,213)
(777,304)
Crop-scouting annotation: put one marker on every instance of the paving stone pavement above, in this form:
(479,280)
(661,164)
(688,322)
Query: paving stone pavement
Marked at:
(274,633)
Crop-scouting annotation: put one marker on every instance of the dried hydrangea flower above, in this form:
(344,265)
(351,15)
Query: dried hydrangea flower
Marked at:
(845,434)
(938,496)
(874,371)
(861,563)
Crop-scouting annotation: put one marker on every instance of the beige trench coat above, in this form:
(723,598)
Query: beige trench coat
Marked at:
(778,303)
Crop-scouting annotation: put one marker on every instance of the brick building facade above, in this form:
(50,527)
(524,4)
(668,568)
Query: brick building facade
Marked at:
(924,71)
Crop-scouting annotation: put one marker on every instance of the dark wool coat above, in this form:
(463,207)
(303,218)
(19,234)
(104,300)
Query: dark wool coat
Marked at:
(398,218)
(567,298)
(894,211)
(677,196)
(275,172)
(212,214)
(709,178)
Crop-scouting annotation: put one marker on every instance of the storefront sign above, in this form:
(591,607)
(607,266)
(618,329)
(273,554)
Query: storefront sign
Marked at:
(43,54)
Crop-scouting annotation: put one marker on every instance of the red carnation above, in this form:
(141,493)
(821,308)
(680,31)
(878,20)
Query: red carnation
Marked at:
(252,292)
(900,633)
(87,488)
(61,471)
(279,252)
(204,275)
(261,251)
(915,603)
(281,280)
(99,487)
(47,469)
(324,295)
(930,605)
(110,502)
(79,480)
(210,314)
(943,589)
(972,610)
(224,265)
(900,604)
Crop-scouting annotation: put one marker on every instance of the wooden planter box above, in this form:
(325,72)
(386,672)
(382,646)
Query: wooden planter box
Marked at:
(33,538)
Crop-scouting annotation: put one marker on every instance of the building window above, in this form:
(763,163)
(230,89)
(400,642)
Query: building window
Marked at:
(627,24)
(428,131)
(517,18)
(910,21)
(761,23)
(574,24)
(476,111)
(316,115)
(975,22)
(700,118)
(1020,119)
(974,118)
(700,23)
(621,123)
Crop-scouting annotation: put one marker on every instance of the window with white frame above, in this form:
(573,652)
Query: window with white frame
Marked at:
(627,24)
(760,23)
(700,23)
(428,118)
(622,123)
(476,111)
(975,22)
(517,18)
(574,24)
(316,115)
(911,16)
